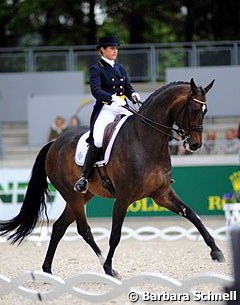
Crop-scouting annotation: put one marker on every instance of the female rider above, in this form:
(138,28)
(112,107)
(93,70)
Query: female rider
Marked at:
(110,85)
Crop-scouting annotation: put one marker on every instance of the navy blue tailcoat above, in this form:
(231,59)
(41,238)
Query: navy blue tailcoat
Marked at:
(105,81)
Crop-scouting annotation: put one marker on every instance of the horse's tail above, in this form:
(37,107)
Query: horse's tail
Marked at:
(34,202)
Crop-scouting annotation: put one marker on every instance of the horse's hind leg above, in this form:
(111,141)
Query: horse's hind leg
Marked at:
(84,229)
(175,204)
(71,213)
(58,230)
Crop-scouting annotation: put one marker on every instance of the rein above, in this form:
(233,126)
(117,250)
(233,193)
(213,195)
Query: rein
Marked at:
(157,126)
(151,123)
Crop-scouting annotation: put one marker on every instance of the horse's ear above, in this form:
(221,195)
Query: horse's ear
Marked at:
(194,87)
(209,86)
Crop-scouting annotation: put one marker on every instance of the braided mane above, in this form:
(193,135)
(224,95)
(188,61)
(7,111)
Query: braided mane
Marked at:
(158,91)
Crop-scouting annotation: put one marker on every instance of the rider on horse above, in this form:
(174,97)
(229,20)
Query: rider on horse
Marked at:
(110,85)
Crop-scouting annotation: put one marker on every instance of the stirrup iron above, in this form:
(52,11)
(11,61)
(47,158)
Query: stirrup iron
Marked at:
(76,188)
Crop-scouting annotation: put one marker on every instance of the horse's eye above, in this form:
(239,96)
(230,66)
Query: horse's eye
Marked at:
(196,108)
(196,111)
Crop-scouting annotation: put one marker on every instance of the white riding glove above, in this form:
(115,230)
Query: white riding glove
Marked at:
(136,97)
(118,100)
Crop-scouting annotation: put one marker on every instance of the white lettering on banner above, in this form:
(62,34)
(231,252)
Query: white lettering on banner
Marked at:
(13,186)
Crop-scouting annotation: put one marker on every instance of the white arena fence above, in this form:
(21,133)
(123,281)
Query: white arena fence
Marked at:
(57,287)
(41,286)
(144,233)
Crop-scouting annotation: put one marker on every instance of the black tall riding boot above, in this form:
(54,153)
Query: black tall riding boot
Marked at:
(82,184)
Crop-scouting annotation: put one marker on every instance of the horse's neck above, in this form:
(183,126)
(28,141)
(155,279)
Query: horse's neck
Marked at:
(159,112)
(162,106)
(149,135)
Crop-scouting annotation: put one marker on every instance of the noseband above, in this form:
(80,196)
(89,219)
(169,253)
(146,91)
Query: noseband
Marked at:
(180,131)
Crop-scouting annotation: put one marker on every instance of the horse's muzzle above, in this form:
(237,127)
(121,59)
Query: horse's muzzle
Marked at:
(193,146)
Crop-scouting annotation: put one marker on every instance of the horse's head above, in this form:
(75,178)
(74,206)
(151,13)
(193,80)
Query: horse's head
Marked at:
(190,116)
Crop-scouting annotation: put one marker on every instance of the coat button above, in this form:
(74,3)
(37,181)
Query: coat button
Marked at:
(121,93)
(121,79)
(121,87)
(113,79)
(114,87)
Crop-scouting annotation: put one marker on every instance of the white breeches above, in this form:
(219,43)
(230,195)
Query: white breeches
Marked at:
(107,115)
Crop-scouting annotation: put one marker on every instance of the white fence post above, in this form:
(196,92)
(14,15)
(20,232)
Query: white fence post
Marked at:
(235,240)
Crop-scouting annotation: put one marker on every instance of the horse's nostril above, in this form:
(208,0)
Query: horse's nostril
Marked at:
(195,146)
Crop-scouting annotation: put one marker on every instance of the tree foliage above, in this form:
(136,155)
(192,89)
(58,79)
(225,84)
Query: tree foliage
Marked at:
(76,22)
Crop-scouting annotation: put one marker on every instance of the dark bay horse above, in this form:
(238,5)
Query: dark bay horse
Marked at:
(140,166)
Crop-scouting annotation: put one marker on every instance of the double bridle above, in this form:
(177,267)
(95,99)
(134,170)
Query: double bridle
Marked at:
(180,131)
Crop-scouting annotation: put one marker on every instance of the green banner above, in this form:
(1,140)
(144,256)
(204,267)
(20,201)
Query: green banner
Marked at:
(202,188)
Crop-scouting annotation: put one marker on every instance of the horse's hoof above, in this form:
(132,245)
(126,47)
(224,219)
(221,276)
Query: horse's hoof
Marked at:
(47,270)
(116,275)
(113,273)
(217,255)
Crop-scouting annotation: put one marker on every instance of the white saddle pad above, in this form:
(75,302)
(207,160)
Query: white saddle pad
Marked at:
(82,146)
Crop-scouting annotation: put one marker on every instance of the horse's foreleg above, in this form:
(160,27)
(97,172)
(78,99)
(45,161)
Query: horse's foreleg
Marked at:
(58,230)
(175,204)
(119,213)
